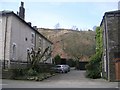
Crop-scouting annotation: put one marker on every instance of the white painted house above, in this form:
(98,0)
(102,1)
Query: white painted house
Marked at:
(17,37)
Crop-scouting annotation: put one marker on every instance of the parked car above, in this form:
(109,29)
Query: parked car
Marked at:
(61,68)
(68,68)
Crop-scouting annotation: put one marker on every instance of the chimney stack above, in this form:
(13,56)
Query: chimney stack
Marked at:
(119,5)
(35,27)
(22,11)
(29,23)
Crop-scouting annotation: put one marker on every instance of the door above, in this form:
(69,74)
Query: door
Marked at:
(117,66)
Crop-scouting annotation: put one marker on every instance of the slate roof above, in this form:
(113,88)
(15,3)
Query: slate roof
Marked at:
(7,13)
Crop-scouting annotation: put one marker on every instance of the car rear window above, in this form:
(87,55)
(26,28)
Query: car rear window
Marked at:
(58,66)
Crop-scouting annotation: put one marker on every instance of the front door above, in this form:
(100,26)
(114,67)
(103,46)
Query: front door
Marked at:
(117,66)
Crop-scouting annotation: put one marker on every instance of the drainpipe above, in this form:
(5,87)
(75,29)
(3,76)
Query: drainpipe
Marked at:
(35,46)
(107,50)
(5,40)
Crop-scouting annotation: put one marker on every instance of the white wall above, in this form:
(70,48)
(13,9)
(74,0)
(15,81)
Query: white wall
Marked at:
(1,41)
(5,22)
(20,31)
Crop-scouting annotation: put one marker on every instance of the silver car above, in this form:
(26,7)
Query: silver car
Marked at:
(61,68)
(68,67)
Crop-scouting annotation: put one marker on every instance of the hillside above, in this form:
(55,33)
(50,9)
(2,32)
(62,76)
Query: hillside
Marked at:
(71,44)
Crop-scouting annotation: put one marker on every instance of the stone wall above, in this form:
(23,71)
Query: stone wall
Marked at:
(111,42)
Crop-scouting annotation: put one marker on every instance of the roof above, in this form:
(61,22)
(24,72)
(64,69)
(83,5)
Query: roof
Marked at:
(109,13)
(113,12)
(6,13)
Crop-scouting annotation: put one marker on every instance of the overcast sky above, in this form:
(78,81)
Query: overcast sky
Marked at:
(68,13)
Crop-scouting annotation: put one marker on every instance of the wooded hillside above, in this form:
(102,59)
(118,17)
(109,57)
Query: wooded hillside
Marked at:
(70,43)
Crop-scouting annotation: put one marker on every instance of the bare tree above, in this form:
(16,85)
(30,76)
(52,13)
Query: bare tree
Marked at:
(57,26)
(34,57)
(78,45)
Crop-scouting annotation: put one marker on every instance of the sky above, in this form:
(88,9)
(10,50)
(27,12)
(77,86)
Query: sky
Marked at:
(68,13)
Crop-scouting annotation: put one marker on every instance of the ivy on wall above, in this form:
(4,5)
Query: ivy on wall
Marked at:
(94,67)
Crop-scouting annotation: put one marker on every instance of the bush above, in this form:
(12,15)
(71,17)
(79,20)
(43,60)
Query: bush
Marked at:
(57,59)
(93,68)
(18,72)
(31,72)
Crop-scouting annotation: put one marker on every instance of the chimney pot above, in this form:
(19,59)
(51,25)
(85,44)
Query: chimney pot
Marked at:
(30,23)
(22,4)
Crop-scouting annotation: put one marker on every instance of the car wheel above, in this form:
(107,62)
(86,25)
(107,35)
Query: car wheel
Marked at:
(61,72)
(65,71)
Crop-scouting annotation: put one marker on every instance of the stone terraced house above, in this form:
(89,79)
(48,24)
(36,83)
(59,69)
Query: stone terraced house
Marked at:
(111,46)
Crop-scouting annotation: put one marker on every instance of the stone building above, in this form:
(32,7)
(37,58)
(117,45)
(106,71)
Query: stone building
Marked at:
(111,45)
(17,37)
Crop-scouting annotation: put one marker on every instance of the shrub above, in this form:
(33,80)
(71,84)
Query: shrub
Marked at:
(57,59)
(18,72)
(94,67)
(31,72)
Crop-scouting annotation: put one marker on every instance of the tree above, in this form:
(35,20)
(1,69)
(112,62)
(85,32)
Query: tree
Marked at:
(79,45)
(74,28)
(94,28)
(57,59)
(34,58)
(57,26)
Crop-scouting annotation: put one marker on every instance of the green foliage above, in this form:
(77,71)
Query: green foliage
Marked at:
(23,74)
(99,40)
(94,67)
(57,59)
(33,68)
(18,72)
(31,72)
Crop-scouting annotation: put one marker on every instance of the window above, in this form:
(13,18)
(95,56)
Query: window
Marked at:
(105,68)
(117,55)
(26,39)
(14,51)
(40,40)
(28,50)
(28,54)
(33,38)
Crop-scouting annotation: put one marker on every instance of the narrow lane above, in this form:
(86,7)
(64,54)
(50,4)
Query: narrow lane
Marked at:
(73,79)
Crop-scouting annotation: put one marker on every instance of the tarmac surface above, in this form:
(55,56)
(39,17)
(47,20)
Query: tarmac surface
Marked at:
(72,79)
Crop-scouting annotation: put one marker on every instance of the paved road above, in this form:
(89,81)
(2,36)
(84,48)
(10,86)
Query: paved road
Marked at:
(73,79)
